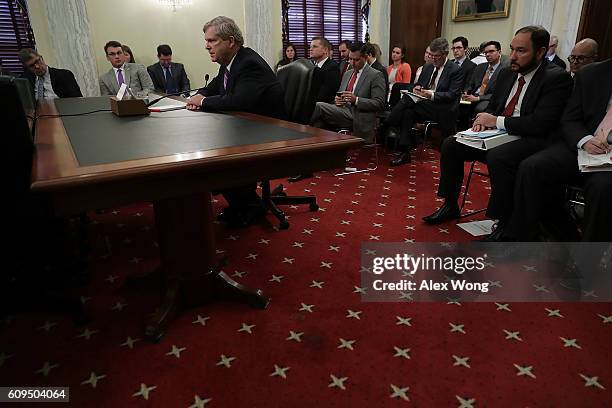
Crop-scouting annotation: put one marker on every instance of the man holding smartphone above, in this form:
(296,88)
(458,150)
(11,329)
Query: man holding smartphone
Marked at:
(361,94)
(440,86)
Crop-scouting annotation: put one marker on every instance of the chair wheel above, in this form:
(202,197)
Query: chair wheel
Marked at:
(314,207)
(284,224)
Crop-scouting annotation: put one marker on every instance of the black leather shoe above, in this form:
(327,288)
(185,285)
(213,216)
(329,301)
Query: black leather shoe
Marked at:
(497,235)
(447,212)
(401,159)
(299,177)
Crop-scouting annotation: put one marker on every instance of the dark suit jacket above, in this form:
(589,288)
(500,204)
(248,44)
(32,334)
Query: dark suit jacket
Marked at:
(378,66)
(467,69)
(325,81)
(178,73)
(542,104)
(342,65)
(252,87)
(475,81)
(558,61)
(449,85)
(587,106)
(62,80)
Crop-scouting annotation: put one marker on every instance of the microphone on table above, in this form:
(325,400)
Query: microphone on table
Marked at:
(206,78)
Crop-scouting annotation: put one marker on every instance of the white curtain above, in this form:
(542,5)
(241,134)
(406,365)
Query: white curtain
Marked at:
(258,28)
(69,36)
(379,31)
(539,12)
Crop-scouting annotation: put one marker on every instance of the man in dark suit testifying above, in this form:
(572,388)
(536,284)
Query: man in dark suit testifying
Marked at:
(246,83)
(440,83)
(47,82)
(528,101)
(539,196)
(168,76)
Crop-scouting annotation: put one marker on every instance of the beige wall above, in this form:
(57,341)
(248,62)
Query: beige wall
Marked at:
(143,24)
(502,29)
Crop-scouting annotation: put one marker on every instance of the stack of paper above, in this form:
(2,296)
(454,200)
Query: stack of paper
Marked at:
(485,140)
(588,163)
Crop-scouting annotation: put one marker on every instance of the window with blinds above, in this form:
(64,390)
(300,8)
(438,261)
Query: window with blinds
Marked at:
(335,20)
(15,33)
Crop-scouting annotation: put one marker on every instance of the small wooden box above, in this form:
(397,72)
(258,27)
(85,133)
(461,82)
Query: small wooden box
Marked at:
(128,107)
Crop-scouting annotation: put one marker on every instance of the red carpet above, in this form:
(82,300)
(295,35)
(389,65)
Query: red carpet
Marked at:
(317,344)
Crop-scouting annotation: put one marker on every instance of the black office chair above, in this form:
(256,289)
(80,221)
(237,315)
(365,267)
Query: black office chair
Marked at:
(296,79)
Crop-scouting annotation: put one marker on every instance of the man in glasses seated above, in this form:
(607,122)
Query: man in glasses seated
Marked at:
(583,53)
(439,89)
(134,76)
(47,82)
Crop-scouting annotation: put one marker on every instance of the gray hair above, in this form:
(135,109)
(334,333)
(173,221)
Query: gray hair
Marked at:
(554,39)
(439,44)
(225,28)
(26,54)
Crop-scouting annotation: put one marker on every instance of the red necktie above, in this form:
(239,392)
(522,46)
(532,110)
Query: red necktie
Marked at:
(351,83)
(512,104)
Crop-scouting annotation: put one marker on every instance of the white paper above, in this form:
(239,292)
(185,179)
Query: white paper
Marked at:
(483,134)
(415,98)
(121,92)
(477,228)
(589,163)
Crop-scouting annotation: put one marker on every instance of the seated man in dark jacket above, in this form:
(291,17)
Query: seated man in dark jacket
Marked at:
(439,86)
(47,82)
(528,101)
(246,83)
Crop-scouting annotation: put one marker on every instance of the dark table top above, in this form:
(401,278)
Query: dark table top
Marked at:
(102,137)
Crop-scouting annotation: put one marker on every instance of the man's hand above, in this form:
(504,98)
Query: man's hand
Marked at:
(483,121)
(471,98)
(598,144)
(423,92)
(346,98)
(195,102)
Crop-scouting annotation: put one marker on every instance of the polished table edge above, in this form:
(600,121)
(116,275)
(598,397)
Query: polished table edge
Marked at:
(55,165)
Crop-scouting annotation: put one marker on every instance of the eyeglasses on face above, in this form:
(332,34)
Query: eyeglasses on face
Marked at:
(114,54)
(435,56)
(490,51)
(579,59)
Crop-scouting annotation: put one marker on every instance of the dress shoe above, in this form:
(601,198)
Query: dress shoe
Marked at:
(299,177)
(497,235)
(448,211)
(403,158)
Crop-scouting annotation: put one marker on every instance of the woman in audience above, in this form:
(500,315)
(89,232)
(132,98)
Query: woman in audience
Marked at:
(127,54)
(399,71)
(427,58)
(290,56)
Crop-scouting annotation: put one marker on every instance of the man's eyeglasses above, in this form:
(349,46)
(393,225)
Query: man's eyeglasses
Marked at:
(579,59)
(114,54)
(490,51)
(37,61)
(436,56)
(457,48)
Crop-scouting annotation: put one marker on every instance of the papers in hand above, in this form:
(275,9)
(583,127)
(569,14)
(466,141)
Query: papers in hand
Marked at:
(588,163)
(415,98)
(485,140)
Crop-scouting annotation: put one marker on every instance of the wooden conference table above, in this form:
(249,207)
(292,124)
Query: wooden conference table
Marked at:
(174,160)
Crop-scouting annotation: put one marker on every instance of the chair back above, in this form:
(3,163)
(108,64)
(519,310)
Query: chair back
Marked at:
(296,80)
(395,95)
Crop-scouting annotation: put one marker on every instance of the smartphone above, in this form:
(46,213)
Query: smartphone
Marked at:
(339,94)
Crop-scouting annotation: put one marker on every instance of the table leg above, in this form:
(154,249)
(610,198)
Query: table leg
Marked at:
(187,256)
